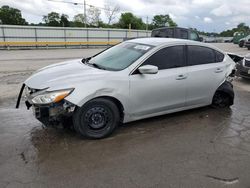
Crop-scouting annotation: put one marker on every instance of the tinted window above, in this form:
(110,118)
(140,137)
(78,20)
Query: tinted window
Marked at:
(183,34)
(168,33)
(200,55)
(194,36)
(166,58)
(219,56)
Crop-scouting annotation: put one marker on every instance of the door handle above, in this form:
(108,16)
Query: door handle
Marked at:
(181,77)
(218,70)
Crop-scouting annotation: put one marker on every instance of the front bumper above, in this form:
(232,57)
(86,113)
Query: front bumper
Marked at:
(53,114)
(50,114)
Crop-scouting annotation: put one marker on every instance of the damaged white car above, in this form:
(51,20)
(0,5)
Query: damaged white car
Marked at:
(136,79)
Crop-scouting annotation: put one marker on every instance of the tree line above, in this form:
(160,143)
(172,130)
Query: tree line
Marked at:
(13,16)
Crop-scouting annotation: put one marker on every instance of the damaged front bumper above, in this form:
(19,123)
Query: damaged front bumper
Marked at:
(52,114)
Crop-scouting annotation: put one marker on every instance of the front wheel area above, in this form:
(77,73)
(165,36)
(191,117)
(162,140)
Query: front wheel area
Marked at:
(224,96)
(221,100)
(98,118)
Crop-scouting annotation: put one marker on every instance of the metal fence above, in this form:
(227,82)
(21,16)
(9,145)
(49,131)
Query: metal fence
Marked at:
(47,37)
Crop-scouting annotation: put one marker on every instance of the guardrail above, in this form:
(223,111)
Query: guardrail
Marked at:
(80,44)
(37,36)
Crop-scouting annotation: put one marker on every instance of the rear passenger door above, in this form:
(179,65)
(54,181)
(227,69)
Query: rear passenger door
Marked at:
(206,71)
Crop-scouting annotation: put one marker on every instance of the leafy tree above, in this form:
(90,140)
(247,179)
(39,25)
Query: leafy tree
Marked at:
(52,19)
(243,27)
(64,20)
(240,28)
(55,19)
(12,16)
(79,20)
(128,18)
(161,21)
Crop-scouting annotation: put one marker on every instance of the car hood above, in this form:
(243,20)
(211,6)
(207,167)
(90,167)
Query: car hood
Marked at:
(65,74)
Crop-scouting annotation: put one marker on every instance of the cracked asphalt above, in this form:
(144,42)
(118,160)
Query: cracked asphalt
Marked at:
(203,147)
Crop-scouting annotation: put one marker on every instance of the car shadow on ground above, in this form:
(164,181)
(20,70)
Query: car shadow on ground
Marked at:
(193,117)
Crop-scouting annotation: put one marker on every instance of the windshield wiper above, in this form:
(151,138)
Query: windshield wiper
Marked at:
(86,60)
(97,66)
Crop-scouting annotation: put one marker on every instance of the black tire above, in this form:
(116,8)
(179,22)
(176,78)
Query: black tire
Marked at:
(221,100)
(241,44)
(98,118)
(248,48)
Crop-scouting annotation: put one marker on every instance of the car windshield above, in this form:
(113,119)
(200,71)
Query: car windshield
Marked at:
(120,56)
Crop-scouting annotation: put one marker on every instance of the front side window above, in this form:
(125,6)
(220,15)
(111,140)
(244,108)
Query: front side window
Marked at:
(170,57)
(120,56)
(198,55)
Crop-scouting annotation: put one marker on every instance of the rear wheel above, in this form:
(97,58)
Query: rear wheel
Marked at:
(98,118)
(221,100)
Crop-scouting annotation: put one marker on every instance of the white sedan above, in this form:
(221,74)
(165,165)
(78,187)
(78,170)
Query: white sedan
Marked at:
(136,79)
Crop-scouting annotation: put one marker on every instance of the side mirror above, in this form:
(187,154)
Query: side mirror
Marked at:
(148,69)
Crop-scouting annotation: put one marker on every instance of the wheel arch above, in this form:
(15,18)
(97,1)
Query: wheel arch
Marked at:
(116,101)
(226,88)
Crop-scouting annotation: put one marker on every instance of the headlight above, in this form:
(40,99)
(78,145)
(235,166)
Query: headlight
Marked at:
(53,96)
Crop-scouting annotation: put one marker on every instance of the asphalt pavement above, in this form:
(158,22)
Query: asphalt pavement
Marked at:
(204,147)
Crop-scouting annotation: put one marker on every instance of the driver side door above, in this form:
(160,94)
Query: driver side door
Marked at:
(165,91)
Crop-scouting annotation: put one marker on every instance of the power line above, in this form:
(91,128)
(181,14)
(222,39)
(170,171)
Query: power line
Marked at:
(76,3)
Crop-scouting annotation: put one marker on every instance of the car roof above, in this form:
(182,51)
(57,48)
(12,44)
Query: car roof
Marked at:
(158,41)
(170,27)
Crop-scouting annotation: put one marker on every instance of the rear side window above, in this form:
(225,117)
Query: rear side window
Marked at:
(170,57)
(198,55)
(168,33)
(219,56)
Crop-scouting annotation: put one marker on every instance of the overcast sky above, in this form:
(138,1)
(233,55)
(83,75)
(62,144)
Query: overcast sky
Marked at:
(205,15)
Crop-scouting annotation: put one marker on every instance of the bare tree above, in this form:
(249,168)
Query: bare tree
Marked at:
(94,15)
(111,12)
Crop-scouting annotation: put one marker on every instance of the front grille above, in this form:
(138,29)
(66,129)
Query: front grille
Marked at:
(247,63)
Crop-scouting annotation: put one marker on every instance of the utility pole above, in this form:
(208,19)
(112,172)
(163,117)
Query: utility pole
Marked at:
(85,15)
(147,24)
(73,3)
(129,30)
